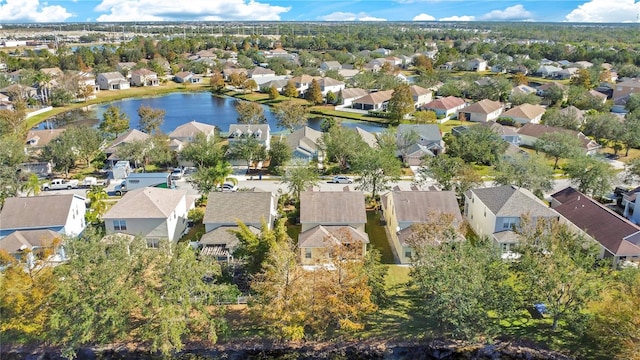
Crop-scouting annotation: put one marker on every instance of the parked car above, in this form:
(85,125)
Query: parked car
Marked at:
(341,180)
(228,188)
(177,173)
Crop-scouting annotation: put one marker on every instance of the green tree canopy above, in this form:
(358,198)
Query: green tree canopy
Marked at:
(150,119)
(479,144)
(592,176)
(291,114)
(528,171)
(558,145)
(250,112)
(401,103)
(314,93)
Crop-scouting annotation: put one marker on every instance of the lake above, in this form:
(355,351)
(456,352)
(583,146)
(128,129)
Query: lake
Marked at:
(183,107)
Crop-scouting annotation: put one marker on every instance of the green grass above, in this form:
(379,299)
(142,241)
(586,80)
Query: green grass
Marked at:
(194,234)
(378,237)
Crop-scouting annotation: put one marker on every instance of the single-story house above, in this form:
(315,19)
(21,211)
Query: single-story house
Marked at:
(112,81)
(477,64)
(482,111)
(129,136)
(330,65)
(351,94)
(376,101)
(524,114)
(507,133)
(428,142)
(445,107)
(531,132)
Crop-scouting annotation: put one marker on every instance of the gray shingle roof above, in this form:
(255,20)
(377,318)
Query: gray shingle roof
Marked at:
(27,239)
(323,236)
(428,132)
(36,211)
(229,207)
(147,203)
(417,206)
(332,208)
(508,200)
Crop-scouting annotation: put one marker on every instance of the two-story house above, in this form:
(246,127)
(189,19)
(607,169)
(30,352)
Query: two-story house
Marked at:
(328,84)
(420,95)
(187,132)
(112,81)
(497,211)
(144,77)
(305,143)
(331,219)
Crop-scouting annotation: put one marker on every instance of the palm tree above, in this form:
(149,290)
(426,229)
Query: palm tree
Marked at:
(97,196)
(222,170)
(44,82)
(32,186)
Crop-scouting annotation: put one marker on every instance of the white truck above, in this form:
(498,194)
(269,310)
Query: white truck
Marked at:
(60,184)
(90,181)
(140,180)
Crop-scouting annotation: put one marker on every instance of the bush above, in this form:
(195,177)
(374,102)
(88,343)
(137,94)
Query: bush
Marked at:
(196,215)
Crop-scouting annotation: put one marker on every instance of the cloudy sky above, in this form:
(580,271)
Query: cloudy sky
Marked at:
(318,10)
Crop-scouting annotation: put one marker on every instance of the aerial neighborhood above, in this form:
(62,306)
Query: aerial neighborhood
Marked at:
(333,176)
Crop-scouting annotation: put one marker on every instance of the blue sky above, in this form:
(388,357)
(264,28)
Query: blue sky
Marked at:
(314,10)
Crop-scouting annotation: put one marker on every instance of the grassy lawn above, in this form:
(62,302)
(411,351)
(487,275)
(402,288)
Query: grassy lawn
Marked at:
(330,111)
(194,234)
(378,237)
(450,124)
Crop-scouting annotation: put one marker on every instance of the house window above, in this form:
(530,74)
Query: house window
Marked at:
(153,243)
(504,247)
(307,253)
(407,253)
(509,223)
(119,225)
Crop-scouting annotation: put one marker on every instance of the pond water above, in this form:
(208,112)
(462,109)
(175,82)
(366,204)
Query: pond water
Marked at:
(181,108)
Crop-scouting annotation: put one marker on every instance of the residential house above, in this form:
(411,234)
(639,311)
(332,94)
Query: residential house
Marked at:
(38,139)
(524,114)
(420,95)
(187,77)
(531,132)
(351,94)
(224,211)
(187,132)
(374,65)
(305,143)
(16,76)
(86,79)
(331,219)
(302,83)
(445,107)
(548,71)
(258,73)
(125,68)
(629,202)
(477,64)
(522,90)
(29,245)
(238,132)
(582,64)
(328,84)
(403,209)
(279,84)
(602,98)
(427,141)
(567,73)
(497,211)
(63,214)
(129,136)
(482,111)
(151,212)
(382,51)
(370,138)
(573,112)
(619,239)
(53,72)
(112,81)
(330,65)
(348,73)
(631,86)
(375,101)
(227,72)
(507,133)
(24,92)
(144,77)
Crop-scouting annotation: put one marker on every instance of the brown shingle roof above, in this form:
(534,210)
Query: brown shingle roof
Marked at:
(190,129)
(375,98)
(27,239)
(611,230)
(322,236)
(537,130)
(418,206)
(332,208)
(485,106)
(446,103)
(524,111)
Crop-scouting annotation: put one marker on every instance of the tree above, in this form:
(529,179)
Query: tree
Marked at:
(569,118)
(86,142)
(32,185)
(12,150)
(217,83)
(314,93)
(9,182)
(290,89)
(98,206)
(331,97)
(253,248)
(150,119)
(401,103)
(450,173)
(273,92)
(481,279)
(376,169)
(556,268)
(114,121)
(601,126)
(591,175)
(279,154)
(519,99)
(61,153)
(554,95)
(205,180)
(136,151)
(202,151)
(250,112)
(616,323)
(425,117)
(582,79)
(630,132)
(12,122)
(249,149)
(479,144)
(632,171)
(528,171)
(558,145)
(299,177)
(237,79)
(342,145)
(291,114)
(633,103)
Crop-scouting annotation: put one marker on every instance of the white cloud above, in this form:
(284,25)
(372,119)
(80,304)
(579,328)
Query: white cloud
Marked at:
(459,18)
(31,11)
(516,12)
(206,10)
(347,16)
(423,17)
(605,11)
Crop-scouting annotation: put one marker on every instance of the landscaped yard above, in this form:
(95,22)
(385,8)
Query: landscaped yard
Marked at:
(378,237)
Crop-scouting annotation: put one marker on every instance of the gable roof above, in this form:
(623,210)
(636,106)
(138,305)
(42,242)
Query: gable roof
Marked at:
(43,137)
(332,208)
(615,233)
(27,239)
(485,106)
(509,200)
(229,207)
(321,235)
(375,98)
(418,90)
(327,81)
(446,103)
(537,130)
(112,76)
(305,138)
(367,137)
(418,206)
(147,203)
(191,128)
(260,71)
(524,111)
(224,235)
(143,72)
(429,132)
(498,128)
(547,86)
(129,136)
(353,93)
(27,212)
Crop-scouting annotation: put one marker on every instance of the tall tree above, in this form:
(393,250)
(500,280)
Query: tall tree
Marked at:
(299,177)
(279,154)
(61,153)
(592,176)
(86,142)
(249,149)
(342,144)
(291,114)
(601,126)
(273,93)
(567,118)
(136,151)
(202,152)
(217,83)
(376,169)
(98,206)
(314,93)
(630,132)
(250,112)
(401,103)
(150,119)
(558,145)
(290,89)
(479,144)
(450,173)
(114,121)
(528,171)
